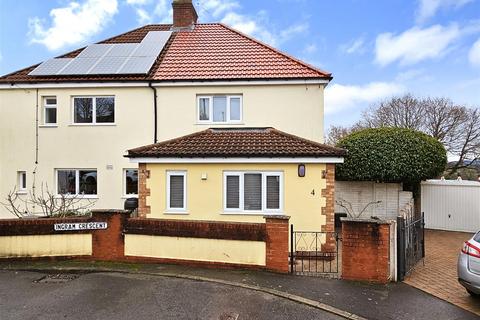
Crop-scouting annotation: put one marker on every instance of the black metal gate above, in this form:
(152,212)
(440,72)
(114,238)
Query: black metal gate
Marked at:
(314,253)
(410,244)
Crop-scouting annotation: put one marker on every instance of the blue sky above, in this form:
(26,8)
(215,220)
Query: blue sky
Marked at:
(374,48)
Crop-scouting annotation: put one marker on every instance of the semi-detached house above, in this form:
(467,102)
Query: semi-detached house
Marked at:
(256,113)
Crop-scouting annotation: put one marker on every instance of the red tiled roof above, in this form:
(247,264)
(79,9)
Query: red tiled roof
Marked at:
(208,52)
(237,142)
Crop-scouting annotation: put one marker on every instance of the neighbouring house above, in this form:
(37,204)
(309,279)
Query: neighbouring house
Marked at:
(238,174)
(67,122)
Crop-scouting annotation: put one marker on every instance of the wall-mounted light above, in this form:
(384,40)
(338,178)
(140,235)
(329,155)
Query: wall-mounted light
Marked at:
(204,176)
(301,170)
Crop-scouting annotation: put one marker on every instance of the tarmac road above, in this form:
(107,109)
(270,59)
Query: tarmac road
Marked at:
(29,295)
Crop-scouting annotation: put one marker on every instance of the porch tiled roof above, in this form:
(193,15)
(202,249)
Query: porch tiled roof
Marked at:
(237,142)
(210,51)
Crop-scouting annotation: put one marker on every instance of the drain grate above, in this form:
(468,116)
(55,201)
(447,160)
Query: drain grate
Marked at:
(57,278)
(228,316)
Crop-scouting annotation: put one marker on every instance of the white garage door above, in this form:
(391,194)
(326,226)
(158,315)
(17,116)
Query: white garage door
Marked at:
(451,205)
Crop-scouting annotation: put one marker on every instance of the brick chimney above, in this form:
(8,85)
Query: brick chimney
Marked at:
(184,13)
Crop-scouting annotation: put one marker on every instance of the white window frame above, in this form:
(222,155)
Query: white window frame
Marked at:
(49,106)
(77,183)
(94,111)
(264,210)
(21,189)
(125,194)
(210,109)
(177,210)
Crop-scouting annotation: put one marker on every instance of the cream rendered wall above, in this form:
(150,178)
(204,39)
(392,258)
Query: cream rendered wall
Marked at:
(70,146)
(296,109)
(213,250)
(205,197)
(46,245)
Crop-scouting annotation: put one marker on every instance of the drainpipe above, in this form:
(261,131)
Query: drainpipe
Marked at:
(154,112)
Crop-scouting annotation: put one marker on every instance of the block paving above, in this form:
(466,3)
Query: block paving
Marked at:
(438,274)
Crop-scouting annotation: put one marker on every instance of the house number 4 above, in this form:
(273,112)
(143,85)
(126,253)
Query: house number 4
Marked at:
(313,192)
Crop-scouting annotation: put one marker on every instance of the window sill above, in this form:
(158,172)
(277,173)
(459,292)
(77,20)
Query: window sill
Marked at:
(219,123)
(21,192)
(252,213)
(128,196)
(176,213)
(79,196)
(92,124)
(48,126)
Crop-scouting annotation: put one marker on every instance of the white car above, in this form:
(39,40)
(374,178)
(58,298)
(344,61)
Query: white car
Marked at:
(468,267)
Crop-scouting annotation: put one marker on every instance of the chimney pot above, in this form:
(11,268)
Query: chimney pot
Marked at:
(184,13)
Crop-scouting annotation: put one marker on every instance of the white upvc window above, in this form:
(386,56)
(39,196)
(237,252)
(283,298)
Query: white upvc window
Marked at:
(130,183)
(50,111)
(98,110)
(77,182)
(219,109)
(177,191)
(253,192)
(22,181)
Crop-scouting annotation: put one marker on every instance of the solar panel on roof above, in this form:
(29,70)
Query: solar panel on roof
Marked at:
(50,67)
(121,50)
(104,58)
(79,66)
(108,65)
(137,65)
(95,50)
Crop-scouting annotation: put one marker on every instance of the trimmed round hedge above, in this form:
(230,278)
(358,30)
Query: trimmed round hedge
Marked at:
(391,155)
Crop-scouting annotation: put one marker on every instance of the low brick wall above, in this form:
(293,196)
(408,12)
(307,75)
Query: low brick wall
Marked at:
(366,250)
(245,240)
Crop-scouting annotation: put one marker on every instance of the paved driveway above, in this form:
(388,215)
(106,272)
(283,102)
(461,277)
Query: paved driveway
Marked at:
(28,295)
(439,274)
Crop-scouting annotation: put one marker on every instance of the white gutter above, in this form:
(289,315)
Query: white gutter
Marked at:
(238,160)
(157,84)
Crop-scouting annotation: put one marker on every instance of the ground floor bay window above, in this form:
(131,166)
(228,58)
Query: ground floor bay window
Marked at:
(253,192)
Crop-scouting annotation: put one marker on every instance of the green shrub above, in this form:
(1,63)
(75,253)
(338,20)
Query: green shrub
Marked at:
(391,155)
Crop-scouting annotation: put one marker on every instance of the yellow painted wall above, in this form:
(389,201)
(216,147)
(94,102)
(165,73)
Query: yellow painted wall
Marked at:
(296,109)
(46,245)
(205,197)
(213,250)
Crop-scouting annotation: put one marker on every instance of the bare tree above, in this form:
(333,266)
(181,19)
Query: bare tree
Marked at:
(456,126)
(404,112)
(50,205)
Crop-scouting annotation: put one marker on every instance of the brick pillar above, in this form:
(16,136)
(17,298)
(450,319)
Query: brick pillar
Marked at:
(366,250)
(277,243)
(143,191)
(329,210)
(109,244)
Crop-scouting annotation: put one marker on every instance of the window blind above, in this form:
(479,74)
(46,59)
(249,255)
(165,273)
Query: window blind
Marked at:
(176,191)
(273,192)
(252,191)
(233,192)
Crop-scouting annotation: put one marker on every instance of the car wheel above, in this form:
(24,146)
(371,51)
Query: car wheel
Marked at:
(473,294)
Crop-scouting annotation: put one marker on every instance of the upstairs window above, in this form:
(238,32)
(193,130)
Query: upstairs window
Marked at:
(219,109)
(77,182)
(50,110)
(93,110)
(253,191)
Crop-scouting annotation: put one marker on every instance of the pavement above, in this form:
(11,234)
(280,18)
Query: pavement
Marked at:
(351,299)
(437,275)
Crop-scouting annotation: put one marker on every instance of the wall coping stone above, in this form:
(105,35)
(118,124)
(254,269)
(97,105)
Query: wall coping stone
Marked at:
(362,220)
(278,216)
(111,211)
